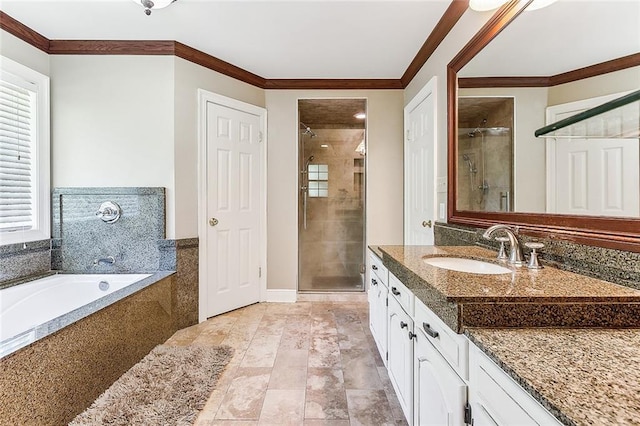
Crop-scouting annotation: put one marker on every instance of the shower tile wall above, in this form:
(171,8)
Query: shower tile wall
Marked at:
(333,243)
(490,155)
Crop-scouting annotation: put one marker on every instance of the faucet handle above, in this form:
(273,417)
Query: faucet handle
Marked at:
(533,260)
(502,254)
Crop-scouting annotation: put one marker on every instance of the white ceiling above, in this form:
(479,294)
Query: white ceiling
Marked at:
(564,36)
(273,39)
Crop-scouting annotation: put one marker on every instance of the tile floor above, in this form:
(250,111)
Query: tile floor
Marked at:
(311,363)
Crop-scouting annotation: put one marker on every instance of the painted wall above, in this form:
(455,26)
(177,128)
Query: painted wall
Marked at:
(606,84)
(22,52)
(112,123)
(190,77)
(468,25)
(384,175)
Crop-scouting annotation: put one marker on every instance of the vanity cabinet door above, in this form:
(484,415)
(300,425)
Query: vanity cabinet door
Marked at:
(440,394)
(378,293)
(400,350)
(497,399)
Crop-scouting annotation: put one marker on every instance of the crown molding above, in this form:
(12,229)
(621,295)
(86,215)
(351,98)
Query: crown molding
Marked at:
(23,32)
(446,23)
(170,47)
(594,70)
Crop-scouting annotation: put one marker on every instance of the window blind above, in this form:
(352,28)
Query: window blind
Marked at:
(17,183)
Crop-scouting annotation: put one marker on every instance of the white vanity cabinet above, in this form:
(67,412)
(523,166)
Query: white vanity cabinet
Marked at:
(378,293)
(439,377)
(400,344)
(496,399)
(440,363)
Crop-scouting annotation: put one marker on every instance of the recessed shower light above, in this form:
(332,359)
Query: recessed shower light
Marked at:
(360,116)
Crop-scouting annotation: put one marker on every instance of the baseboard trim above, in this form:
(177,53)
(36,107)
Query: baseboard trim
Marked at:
(277,295)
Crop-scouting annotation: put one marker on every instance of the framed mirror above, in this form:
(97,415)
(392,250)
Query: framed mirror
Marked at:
(542,64)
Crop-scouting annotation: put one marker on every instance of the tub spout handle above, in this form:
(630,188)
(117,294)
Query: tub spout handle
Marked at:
(109,260)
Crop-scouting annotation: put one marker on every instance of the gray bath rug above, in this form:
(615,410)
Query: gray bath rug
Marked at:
(169,386)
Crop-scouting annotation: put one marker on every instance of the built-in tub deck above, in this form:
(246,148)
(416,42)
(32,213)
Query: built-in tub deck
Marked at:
(22,324)
(79,354)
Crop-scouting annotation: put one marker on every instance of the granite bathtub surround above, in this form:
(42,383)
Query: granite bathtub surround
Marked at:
(81,237)
(185,281)
(582,376)
(24,261)
(620,267)
(52,380)
(549,297)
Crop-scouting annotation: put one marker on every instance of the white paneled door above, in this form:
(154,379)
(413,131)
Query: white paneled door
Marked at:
(233,208)
(597,177)
(420,136)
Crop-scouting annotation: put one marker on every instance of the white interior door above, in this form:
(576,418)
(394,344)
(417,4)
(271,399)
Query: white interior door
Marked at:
(592,176)
(233,208)
(419,167)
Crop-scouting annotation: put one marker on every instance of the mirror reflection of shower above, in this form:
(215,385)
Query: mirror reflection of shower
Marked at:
(331,207)
(485,149)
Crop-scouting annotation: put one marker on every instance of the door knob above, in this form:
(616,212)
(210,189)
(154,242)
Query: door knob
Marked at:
(426,223)
(213,221)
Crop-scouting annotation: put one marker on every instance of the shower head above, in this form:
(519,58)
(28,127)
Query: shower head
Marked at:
(309,160)
(472,168)
(307,130)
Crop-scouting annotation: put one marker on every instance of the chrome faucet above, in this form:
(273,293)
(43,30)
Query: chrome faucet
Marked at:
(109,260)
(516,258)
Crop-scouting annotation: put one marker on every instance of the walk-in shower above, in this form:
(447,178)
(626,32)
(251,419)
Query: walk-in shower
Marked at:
(485,149)
(331,207)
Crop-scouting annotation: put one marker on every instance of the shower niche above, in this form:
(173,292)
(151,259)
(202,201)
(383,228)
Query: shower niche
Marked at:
(485,154)
(331,207)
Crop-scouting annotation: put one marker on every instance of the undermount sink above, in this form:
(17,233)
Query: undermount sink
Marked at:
(466,265)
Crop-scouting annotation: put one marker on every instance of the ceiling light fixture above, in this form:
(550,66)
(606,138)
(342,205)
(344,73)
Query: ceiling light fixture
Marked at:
(360,116)
(485,5)
(157,4)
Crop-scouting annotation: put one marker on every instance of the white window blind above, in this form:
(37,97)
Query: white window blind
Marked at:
(17,155)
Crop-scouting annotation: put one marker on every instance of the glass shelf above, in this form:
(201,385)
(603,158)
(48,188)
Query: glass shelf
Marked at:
(619,119)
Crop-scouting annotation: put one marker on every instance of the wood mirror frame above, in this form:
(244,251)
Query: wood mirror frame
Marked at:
(607,232)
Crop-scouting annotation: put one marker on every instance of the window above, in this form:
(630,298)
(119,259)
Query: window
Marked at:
(318,180)
(24,154)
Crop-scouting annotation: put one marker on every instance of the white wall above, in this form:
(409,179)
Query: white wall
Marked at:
(112,123)
(190,77)
(23,53)
(384,175)
(468,25)
(601,85)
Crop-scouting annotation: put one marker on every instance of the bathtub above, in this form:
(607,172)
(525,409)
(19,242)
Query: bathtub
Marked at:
(67,338)
(37,308)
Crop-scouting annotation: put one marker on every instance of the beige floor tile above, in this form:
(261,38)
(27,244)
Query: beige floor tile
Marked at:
(369,407)
(360,371)
(245,395)
(282,407)
(324,352)
(325,397)
(225,423)
(316,422)
(262,351)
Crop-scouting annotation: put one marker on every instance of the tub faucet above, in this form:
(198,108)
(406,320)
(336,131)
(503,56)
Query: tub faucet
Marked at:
(516,258)
(109,260)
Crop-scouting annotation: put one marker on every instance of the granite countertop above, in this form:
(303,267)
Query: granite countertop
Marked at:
(522,285)
(582,376)
(523,298)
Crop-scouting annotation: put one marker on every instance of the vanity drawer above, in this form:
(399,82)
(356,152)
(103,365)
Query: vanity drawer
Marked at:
(375,263)
(401,293)
(453,347)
